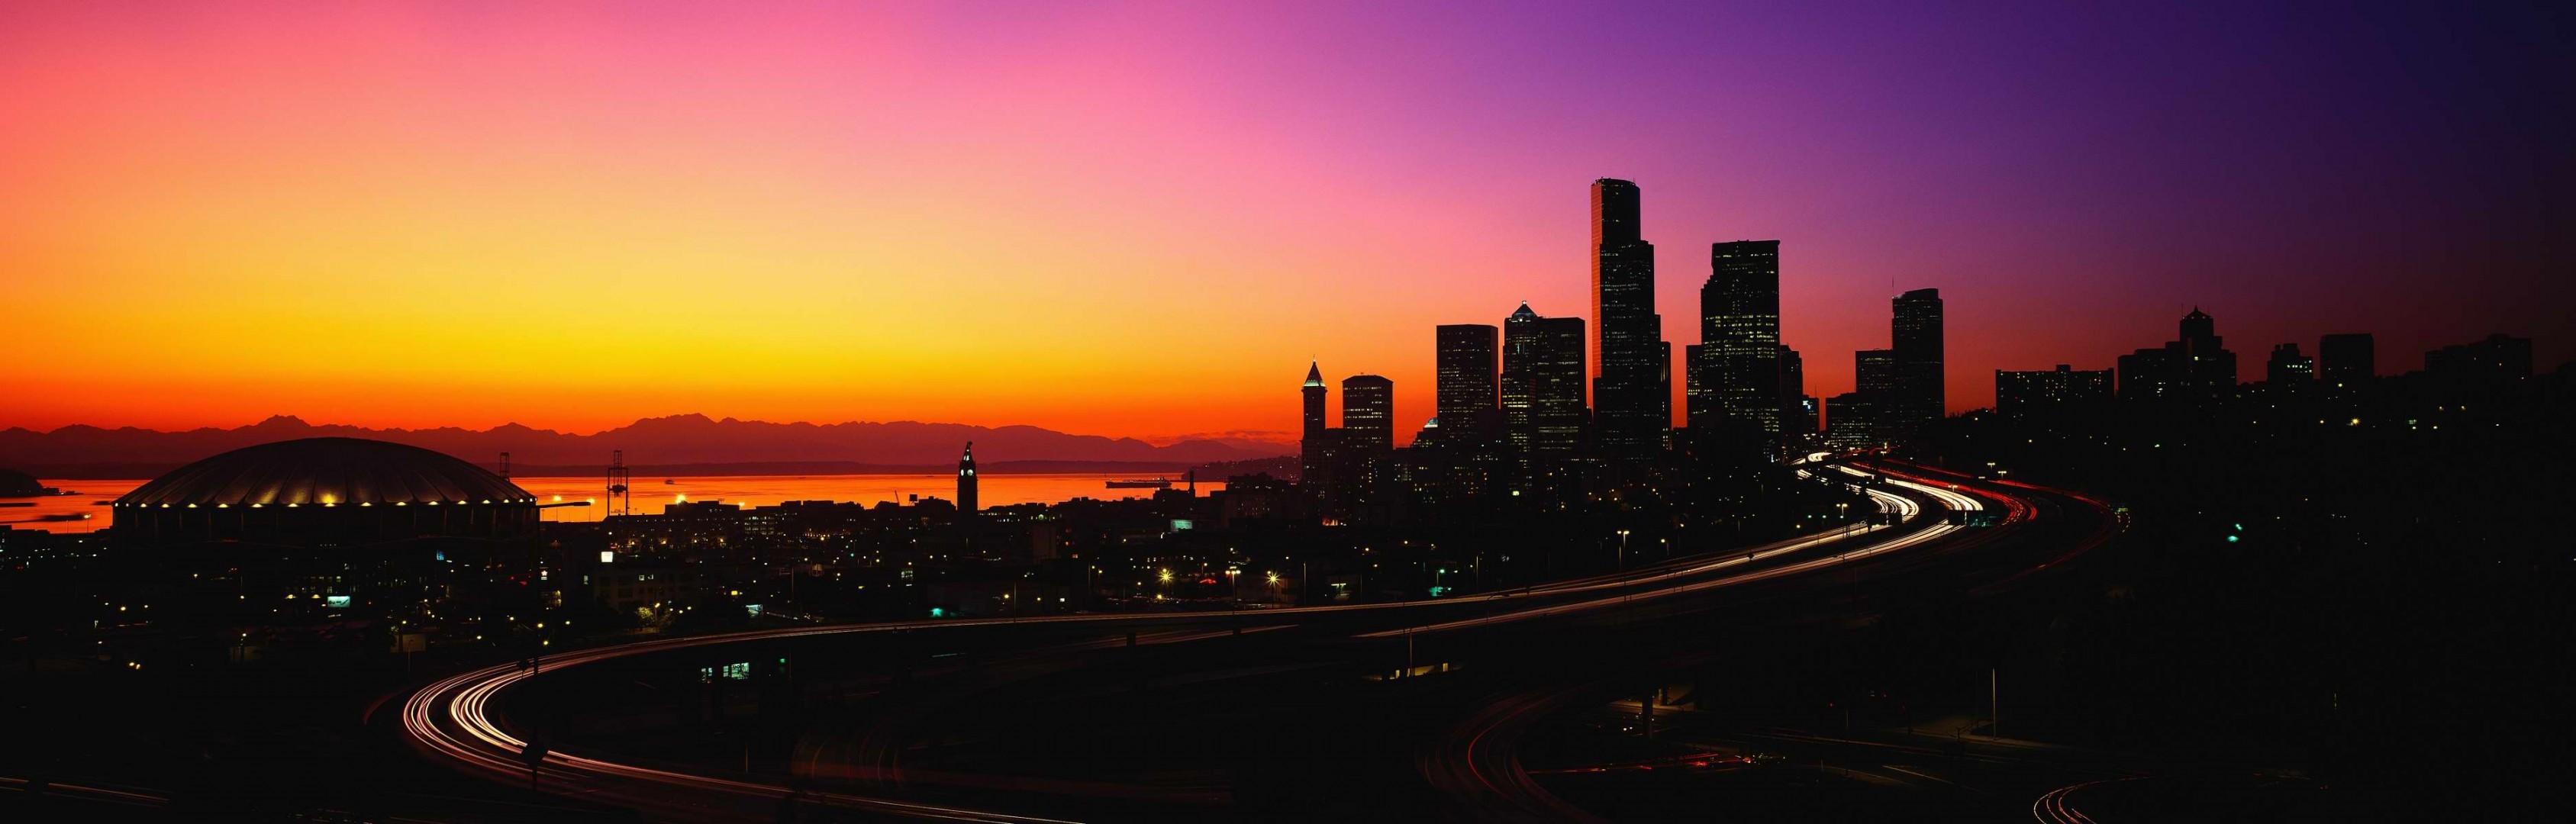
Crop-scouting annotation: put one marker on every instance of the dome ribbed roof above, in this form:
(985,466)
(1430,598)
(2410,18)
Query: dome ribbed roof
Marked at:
(327,471)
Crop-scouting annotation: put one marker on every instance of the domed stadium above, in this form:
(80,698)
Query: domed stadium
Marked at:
(318,492)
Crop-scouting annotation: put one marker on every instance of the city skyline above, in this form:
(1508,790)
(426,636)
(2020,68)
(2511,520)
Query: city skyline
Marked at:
(666,410)
(506,241)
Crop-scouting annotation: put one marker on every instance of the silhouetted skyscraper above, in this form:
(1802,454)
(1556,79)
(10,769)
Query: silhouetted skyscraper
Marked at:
(2030,393)
(1797,416)
(966,481)
(1311,447)
(2347,359)
(1867,415)
(1699,398)
(1368,414)
(1467,368)
(1631,397)
(2289,368)
(1920,398)
(1878,373)
(1543,382)
(1851,421)
(2196,367)
(1739,377)
(2498,356)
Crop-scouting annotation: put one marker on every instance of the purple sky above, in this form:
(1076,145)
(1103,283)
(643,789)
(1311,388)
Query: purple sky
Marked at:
(1142,220)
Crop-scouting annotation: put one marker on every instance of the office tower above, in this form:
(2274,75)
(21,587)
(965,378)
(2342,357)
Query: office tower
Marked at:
(1739,308)
(1699,403)
(1793,386)
(1663,389)
(1630,398)
(1921,398)
(2499,356)
(2195,367)
(2029,393)
(1368,414)
(1466,363)
(1851,421)
(2347,359)
(1311,445)
(1878,373)
(1869,414)
(1543,383)
(2289,368)
(966,480)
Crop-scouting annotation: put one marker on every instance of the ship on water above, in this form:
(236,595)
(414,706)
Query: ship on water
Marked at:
(1141,483)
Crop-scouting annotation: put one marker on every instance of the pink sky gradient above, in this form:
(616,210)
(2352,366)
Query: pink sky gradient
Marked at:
(1143,220)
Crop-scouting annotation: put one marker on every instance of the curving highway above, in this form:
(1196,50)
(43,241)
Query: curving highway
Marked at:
(1476,764)
(453,719)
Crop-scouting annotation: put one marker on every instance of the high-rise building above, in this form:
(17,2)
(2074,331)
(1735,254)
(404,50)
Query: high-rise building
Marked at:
(966,481)
(1878,373)
(1738,376)
(1793,385)
(1920,398)
(1368,414)
(2198,366)
(1869,414)
(2289,368)
(1467,362)
(2347,359)
(1699,398)
(1851,421)
(1313,460)
(1363,467)
(1631,398)
(2498,356)
(1543,383)
(2028,393)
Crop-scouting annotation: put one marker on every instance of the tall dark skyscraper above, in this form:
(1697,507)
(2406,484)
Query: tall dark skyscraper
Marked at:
(1869,414)
(966,481)
(2289,368)
(2499,356)
(1631,397)
(1795,417)
(1311,447)
(1738,376)
(2031,393)
(2197,366)
(1879,373)
(1368,414)
(1851,421)
(1699,404)
(1920,398)
(1467,370)
(1543,383)
(2347,359)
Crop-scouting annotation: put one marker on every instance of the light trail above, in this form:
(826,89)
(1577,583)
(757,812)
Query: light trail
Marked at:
(2052,808)
(1906,510)
(478,742)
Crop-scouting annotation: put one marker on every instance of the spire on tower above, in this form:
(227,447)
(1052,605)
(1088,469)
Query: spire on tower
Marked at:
(1314,374)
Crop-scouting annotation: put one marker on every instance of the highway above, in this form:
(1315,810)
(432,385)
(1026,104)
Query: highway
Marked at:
(455,719)
(1477,764)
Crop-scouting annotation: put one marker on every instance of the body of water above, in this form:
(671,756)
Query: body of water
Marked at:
(653,493)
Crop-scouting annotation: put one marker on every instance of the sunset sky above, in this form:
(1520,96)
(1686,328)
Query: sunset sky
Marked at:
(1144,220)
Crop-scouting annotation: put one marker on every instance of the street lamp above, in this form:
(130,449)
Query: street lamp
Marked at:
(1623,550)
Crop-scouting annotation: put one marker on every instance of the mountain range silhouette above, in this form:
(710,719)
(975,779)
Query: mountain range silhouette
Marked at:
(694,440)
